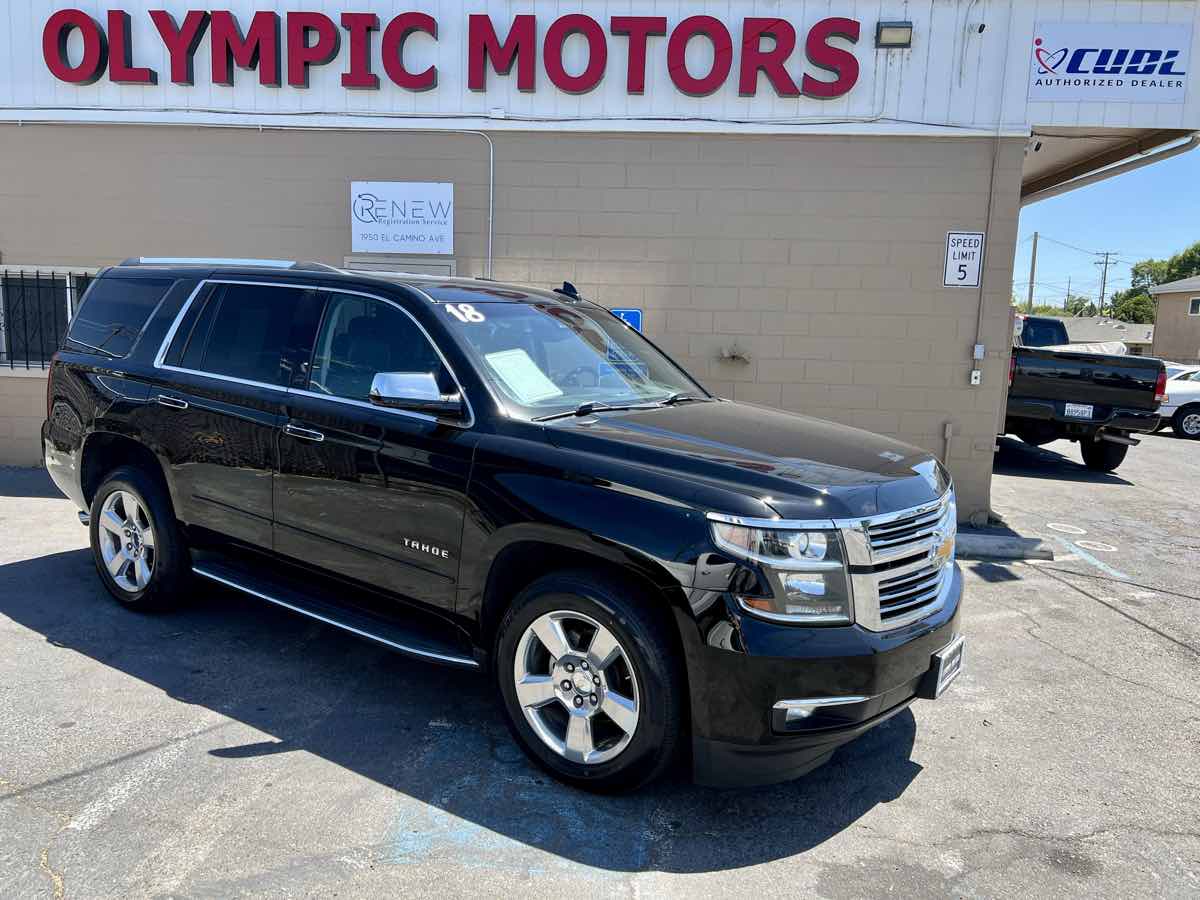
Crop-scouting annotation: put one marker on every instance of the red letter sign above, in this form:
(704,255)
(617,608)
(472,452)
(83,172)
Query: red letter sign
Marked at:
(120,62)
(301,54)
(181,42)
(360,26)
(394,36)
(54,47)
(260,47)
(484,46)
(597,53)
(769,61)
(639,29)
(677,50)
(832,59)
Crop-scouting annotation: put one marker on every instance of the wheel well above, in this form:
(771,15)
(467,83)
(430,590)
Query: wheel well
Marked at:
(519,565)
(103,452)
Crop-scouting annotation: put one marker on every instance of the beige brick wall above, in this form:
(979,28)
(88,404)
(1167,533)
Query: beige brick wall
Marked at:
(817,258)
(1176,334)
(22,409)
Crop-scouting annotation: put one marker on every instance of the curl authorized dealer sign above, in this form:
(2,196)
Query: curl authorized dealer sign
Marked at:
(1126,61)
(402,217)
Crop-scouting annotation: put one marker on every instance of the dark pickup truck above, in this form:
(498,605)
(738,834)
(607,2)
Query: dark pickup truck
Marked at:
(1093,398)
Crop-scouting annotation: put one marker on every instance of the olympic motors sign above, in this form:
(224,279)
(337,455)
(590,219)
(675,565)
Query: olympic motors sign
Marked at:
(1131,62)
(373,53)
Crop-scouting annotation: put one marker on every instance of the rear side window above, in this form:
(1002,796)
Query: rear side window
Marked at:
(251,332)
(115,311)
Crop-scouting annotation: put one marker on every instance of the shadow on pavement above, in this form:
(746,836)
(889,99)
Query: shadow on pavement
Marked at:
(1026,461)
(435,735)
(27,482)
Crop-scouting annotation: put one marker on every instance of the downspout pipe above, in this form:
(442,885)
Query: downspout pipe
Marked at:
(1112,171)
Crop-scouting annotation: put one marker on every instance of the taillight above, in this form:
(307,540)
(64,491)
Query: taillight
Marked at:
(1160,387)
(1012,369)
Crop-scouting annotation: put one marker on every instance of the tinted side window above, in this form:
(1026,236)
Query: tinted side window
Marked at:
(248,329)
(115,311)
(360,337)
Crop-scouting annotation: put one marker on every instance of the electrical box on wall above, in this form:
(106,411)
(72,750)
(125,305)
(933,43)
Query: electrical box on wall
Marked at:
(976,377)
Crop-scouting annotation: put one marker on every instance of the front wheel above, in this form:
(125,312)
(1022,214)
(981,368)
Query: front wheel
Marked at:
(1186,422)
(137,546)
(591,682)
(1102,456)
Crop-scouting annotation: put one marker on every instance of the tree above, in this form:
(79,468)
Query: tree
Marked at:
(1136,304)
(1133,306)
(1080,306)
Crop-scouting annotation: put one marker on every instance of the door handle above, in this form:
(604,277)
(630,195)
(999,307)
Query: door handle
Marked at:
(305,434)
(172,402)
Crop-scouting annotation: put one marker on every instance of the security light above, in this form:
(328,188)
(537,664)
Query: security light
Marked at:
(893,35)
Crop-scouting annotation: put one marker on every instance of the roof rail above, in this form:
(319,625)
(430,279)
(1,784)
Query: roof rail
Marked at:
(213,261)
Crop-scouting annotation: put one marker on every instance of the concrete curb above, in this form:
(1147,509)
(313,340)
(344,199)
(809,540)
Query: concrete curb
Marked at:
(1000,546)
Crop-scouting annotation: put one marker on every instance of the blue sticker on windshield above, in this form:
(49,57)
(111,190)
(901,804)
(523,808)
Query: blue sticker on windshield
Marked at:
(630,316)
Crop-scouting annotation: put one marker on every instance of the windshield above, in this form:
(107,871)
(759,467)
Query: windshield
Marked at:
(1041,333)
(549,358)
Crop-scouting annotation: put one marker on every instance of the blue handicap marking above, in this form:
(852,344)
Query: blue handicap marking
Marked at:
(632,317)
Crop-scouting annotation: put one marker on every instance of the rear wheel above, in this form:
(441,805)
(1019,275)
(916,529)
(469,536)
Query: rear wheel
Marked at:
(137,546)
(591,683)
(1186,422)
(1101,455)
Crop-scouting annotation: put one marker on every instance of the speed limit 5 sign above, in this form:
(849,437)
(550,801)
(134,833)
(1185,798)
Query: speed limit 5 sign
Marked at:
(964,259)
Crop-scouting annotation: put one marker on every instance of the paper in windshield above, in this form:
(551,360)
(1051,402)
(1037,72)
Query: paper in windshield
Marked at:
(522,376)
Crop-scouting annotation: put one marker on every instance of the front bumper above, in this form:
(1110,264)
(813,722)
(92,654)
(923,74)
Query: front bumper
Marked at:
(741,739)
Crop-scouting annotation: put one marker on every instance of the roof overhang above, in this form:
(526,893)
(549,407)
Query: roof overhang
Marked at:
(1058,157)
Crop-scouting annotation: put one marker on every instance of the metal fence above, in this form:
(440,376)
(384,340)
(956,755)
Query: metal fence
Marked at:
(35,307)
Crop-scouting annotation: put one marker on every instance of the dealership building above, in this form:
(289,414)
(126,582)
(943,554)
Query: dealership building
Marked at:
(810,205)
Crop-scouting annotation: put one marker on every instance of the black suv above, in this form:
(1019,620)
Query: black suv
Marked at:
(515,481)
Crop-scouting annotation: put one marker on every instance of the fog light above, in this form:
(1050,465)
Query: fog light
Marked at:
(893,35)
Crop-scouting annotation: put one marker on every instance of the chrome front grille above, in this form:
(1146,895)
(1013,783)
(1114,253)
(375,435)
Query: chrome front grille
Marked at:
(897,574)
(913,532)
(901,594)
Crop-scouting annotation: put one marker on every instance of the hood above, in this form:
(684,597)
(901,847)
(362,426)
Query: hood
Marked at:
(799,466)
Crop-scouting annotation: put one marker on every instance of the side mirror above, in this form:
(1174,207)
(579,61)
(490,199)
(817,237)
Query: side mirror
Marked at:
(415,392)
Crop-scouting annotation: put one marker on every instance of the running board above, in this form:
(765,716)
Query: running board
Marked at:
(391,634)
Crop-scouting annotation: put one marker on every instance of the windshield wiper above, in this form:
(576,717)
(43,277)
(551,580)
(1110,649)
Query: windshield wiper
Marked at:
(682,397)
(594,406)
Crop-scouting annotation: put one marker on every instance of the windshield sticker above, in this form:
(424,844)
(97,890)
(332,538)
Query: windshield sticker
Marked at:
(465,313)
(522,376)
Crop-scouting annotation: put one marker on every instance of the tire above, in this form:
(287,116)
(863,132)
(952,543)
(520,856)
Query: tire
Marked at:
(129,495)
(1102,456)
(1186,422)
(645,668)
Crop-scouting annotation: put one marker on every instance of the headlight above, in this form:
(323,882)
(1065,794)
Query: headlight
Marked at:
(806,571)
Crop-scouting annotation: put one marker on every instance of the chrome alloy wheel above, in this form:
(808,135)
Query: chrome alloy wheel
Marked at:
(1191,424)
(126,541)
(576,687)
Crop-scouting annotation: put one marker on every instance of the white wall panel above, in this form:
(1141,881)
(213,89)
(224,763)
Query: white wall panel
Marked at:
(953,80)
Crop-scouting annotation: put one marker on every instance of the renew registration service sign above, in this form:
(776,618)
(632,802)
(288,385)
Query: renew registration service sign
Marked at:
(964,259)
(401,217)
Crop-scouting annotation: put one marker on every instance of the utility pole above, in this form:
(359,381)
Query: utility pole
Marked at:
(1103,280)
(1032,275)
(1067,301)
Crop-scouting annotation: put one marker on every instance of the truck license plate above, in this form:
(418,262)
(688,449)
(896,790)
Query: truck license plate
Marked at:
(1079,410)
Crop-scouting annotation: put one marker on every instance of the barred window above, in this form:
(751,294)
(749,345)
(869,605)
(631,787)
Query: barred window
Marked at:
(35,307)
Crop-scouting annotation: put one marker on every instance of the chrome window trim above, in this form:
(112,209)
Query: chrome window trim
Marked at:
(165,346)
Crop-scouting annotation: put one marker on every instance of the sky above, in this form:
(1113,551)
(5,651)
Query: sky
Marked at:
(1153,212)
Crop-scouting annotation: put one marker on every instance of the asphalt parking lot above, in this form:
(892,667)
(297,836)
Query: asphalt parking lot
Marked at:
(234,749)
